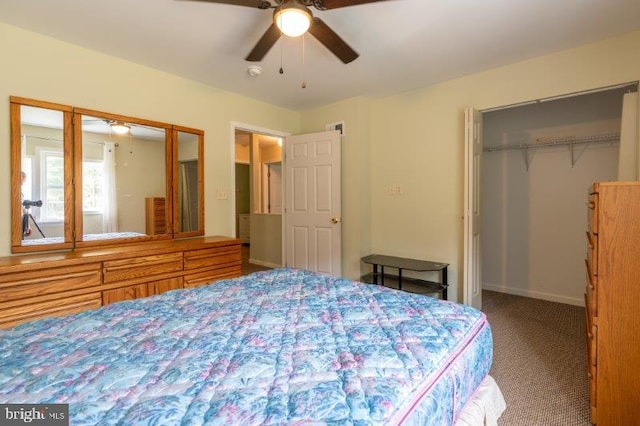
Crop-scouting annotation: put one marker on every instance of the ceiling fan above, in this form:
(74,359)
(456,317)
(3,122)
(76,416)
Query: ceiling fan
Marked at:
(294,18)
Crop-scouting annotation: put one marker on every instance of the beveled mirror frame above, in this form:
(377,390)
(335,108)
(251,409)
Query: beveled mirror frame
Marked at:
(15,104)
(176,214)
(72,151)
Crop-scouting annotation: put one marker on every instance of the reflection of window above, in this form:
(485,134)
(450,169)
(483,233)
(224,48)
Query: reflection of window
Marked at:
(52,168)
(92,184)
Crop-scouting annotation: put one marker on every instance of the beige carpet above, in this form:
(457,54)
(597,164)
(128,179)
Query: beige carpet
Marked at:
(248,268)
(539,360)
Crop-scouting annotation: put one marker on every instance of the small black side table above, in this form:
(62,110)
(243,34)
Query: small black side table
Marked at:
(401,263)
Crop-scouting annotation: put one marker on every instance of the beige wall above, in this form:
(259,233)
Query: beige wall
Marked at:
(266,239)
(140,173)
(80,77)
(187,147)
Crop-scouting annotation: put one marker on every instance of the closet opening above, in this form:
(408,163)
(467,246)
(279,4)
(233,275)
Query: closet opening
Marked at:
(538,163)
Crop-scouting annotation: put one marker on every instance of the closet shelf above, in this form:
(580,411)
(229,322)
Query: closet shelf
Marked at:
(529,148)
(563,141)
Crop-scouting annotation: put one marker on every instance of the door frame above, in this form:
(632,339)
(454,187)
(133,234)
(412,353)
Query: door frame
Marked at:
(235,125)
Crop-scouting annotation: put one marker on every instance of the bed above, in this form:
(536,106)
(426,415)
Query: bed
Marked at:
(86,237)
(284,346)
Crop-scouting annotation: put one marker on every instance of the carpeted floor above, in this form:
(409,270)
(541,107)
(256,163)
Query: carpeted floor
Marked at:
(247,267)
(539,360)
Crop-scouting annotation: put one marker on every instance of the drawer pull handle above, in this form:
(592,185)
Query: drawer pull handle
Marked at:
(591,204)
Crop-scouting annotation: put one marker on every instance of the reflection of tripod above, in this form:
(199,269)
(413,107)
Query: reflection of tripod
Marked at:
(25,225)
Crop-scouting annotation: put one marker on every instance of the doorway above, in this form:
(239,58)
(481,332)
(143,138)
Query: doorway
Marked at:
(258,154)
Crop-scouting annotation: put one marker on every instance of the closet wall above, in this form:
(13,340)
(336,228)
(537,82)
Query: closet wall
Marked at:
(534,220)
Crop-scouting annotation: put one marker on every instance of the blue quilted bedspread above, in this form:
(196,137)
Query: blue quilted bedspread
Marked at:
(278,347)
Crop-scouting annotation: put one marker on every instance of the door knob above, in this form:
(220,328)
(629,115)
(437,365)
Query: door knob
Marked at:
(335,220)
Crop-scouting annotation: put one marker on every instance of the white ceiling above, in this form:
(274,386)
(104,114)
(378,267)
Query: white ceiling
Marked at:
(403,44)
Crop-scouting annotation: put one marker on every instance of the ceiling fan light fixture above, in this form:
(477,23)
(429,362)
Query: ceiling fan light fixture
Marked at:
(292,18)
(120,128)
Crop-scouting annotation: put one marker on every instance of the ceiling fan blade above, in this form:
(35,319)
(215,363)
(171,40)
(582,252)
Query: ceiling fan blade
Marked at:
(259,4)
(332,41)
(335,4)
(265,43)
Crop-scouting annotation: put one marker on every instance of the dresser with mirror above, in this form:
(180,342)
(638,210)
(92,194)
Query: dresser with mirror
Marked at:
(81,181)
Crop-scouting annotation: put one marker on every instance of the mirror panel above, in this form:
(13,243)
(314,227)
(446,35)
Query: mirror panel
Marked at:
(124,180)
(188,173)
(41,175)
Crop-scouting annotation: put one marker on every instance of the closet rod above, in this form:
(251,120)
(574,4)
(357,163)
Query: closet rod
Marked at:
(565,141)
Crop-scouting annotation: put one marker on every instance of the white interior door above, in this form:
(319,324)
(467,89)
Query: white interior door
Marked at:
(313,224)
(472,220)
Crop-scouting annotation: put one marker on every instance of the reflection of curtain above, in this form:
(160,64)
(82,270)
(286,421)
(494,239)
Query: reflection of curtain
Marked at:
(184,218)
(110,209)
(628,152)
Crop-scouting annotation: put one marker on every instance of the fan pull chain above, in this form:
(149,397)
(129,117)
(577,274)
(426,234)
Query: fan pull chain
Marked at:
(281,69)
(304,83)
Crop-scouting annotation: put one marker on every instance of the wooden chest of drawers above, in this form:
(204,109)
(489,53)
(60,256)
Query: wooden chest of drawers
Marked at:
(612,300)
(39,286)
(155,215)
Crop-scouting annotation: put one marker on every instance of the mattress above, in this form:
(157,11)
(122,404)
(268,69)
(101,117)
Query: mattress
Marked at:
(86,237)
(275,347)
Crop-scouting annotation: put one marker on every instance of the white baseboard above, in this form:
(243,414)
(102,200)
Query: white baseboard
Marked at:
(262,263)
(535,294)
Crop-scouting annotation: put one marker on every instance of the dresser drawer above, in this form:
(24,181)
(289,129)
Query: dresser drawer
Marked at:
(591,295)
(19,285)
(209,276)
(138,267)
(158,287)
(593,213)
(593,377)
(218,256)
(30,309)
(125,293)
(592,344)
(592,252)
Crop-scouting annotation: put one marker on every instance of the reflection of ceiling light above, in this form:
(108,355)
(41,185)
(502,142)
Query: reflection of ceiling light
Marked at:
(292,18)
(119,127)
(279,141)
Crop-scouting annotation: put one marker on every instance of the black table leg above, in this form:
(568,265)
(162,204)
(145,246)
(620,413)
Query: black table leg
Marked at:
(382,275)
(375,273)
(444,283)
(399,279)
